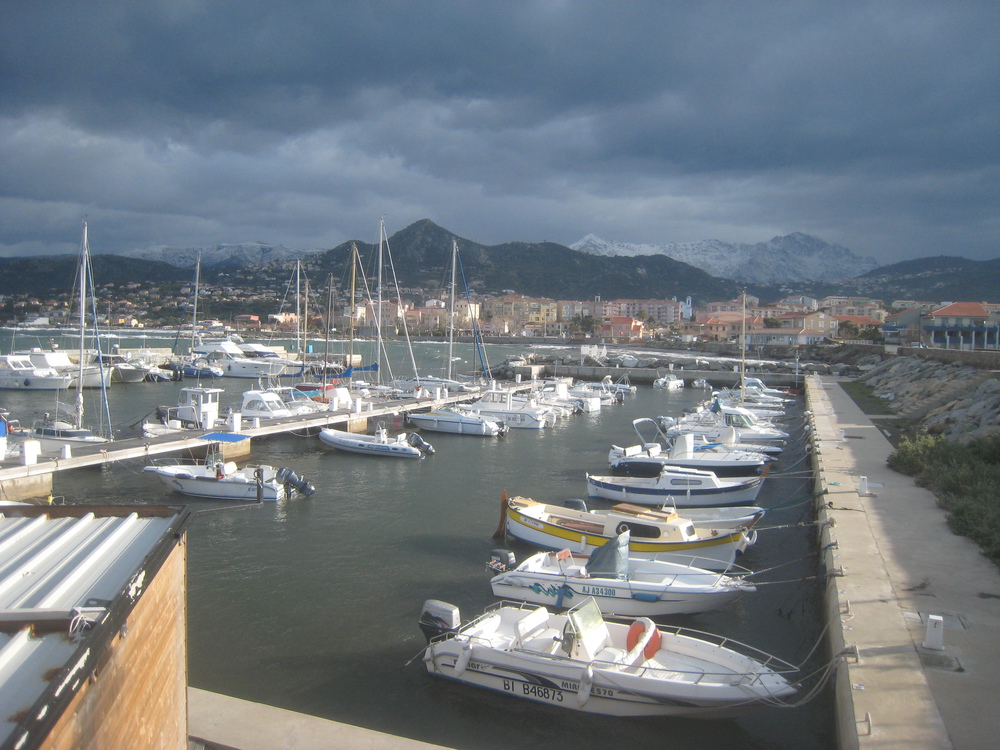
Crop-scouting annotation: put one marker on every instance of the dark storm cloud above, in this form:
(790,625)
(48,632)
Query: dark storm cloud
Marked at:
(871,124)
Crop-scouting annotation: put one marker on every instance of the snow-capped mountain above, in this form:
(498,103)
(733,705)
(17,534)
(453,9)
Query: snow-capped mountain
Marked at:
(246,254)
(793,257)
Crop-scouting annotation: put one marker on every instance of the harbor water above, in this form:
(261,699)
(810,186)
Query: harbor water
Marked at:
(312,604)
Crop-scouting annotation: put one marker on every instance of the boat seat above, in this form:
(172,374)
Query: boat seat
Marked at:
(533,627)
(485,631)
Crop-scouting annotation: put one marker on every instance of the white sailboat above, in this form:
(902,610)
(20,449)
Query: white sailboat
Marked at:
(53,433)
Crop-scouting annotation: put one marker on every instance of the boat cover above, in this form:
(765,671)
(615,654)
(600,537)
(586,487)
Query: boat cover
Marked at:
(610,560)
(224,437)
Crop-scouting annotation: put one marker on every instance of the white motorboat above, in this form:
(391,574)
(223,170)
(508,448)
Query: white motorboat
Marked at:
(264,405)
(82,374)
(620,584)
(197,407)
(18,372)
(557,527)
(578,660)
(677,486)
(647,458)
(217,479)
(236,364)
(457,421)
(298,401)
(711,423)
(403,445)
(501,406)
(669,382)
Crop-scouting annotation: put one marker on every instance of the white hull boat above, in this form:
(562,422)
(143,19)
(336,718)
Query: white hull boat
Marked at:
(648,457)
(557,527)
(18,372)
(669,382)
(56,434)
(732,518)
(457,422)
(223,480)
(403,445)
(619,584)
(580,661)
(676,486)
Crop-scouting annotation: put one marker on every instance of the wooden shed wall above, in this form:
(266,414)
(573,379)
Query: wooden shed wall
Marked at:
(137,699)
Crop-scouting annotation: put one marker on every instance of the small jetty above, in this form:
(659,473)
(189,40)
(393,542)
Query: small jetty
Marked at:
(30,475)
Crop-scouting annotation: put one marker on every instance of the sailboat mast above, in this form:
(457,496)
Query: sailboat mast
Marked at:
(743,356)
(329,324)
(194,316)
(451,317)
(378,312)
(354,303)
(298,308)
(84,259)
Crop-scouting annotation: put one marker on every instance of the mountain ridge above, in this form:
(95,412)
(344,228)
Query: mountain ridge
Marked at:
(782,259)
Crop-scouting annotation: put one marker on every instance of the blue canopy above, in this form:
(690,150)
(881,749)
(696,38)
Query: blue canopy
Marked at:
(224,437)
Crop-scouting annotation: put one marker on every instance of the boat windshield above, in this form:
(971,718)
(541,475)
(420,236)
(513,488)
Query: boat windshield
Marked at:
(585,618)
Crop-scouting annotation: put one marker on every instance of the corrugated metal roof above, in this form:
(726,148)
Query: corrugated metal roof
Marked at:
(60,567)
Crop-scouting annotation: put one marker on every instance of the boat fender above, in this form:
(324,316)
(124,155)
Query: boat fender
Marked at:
(586,685)
(27,382)
(462,662)
(643,632)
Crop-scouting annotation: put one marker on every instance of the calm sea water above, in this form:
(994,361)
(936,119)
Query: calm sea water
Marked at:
(312,604)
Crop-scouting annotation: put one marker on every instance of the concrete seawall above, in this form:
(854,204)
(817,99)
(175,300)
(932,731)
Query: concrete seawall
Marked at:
(913,610)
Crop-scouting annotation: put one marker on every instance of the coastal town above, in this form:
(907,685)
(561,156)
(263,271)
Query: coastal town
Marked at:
(250,303)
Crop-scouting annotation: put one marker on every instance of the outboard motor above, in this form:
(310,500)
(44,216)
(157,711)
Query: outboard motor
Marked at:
(439,618)
(575,503)
(501,560)
(420,444)
(290,479)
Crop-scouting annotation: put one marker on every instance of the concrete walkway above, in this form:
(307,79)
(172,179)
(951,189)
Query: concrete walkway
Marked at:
(224,723)
(901,565)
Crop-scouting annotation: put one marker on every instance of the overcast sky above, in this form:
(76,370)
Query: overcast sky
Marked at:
(870,124)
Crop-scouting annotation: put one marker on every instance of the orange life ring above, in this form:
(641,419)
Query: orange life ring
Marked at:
(635,632)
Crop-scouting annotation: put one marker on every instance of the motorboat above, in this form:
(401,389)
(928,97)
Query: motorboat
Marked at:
(236,364)
(18,372)
(298,402)
(403,445)
(457,421)
(82,374)
(264,404)
(678,486)
(582,661)
(711,423)
(217,479)
(501,406)
(558,527)
(200,367)
(669,382)
(197,407)
(649,456)
(620,584)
